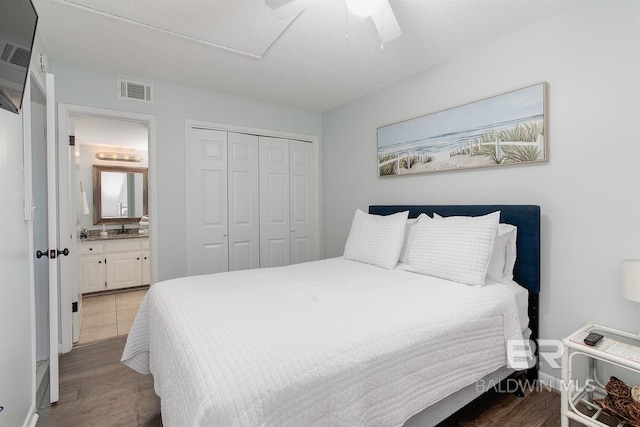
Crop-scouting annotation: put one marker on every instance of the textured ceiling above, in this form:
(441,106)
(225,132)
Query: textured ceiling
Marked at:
(236,47)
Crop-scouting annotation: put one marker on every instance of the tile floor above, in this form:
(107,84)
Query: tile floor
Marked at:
(106,316)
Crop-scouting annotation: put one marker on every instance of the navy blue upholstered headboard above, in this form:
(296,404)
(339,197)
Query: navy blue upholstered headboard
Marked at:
(525,217)
(527,269)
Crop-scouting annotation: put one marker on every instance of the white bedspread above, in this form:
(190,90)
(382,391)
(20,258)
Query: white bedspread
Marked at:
(332,342)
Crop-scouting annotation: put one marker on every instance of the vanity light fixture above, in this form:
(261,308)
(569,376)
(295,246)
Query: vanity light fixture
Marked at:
(120,157)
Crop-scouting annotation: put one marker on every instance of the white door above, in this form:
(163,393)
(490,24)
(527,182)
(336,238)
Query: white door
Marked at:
(91,273)
(274,202)
(52,211)
(301,201)
(244,212)
(123,270)
(206,198)
(35,164)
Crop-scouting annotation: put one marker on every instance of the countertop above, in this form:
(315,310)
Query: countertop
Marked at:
(132,233)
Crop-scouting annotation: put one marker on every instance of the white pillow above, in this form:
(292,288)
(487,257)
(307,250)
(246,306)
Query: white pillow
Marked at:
(503,256)
(409,235)
(376,239)
(455,248)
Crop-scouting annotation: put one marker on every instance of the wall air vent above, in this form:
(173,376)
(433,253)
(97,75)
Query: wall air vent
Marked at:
(14,55)
(135,91)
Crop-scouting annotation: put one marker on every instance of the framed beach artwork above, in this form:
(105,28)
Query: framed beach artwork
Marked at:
(505,129)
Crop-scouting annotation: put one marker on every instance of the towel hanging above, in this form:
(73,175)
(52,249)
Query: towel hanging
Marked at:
(84,209)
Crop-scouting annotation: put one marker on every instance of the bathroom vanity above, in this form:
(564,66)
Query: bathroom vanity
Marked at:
(115,262)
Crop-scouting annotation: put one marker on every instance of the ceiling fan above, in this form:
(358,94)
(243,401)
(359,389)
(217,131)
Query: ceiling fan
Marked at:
(379,11)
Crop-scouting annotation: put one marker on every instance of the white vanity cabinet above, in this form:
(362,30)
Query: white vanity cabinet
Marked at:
(114,264)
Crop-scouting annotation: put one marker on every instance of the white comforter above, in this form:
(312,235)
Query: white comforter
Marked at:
(326,343)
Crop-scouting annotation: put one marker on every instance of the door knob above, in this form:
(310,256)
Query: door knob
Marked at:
(51,254)
(40,254)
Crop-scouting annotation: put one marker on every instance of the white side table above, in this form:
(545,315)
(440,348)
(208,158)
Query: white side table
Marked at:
(616,348)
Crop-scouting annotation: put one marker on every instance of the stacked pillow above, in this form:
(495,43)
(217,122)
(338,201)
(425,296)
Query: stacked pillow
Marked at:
(456,248)
(503,254)
(376,239)
(463,249)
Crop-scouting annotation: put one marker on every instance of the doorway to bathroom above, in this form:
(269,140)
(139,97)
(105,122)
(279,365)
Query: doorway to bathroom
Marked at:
(111,165)
(111,178)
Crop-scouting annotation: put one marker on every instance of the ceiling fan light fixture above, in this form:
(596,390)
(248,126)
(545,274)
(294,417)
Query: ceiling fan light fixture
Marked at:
(364,8)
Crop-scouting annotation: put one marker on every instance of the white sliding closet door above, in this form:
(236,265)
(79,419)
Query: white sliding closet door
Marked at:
(275,248)
(250,201)
(301,201)
(206,196)
(244,211)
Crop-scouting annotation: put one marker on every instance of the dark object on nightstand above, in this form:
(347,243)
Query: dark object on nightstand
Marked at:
(592,338)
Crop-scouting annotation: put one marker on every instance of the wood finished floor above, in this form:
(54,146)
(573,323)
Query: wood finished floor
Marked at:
(97,390)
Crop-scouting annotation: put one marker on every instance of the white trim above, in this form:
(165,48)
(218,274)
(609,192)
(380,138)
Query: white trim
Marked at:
(66,110)
(315,140)
(32,418)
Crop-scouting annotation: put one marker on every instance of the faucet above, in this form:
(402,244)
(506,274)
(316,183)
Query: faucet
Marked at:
(122,230)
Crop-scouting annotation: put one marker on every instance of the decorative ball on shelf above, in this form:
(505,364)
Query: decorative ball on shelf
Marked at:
(635,393)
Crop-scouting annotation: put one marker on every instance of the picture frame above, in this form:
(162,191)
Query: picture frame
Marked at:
(505,129)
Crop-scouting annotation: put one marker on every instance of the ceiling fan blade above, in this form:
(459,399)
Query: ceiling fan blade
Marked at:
(386,23)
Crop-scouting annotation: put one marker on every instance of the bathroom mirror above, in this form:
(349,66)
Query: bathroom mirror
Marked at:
(119,194)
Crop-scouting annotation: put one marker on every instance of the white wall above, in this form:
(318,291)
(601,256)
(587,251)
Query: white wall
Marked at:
(589,190)
(174,104)
(16,386)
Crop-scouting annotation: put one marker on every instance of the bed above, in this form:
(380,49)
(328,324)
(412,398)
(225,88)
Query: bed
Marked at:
(336,341)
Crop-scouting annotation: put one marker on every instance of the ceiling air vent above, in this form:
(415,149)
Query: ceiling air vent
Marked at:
(14,55)
(135,91)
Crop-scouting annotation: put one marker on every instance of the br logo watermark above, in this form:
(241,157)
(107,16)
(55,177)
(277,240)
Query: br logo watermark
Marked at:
(522,354)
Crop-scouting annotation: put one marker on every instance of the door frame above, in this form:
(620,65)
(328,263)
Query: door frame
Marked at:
(315,140)
(69,285)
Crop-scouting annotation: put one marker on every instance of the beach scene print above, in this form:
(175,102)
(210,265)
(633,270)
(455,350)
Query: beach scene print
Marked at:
(505,129)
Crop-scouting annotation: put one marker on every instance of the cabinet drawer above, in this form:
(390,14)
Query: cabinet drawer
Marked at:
(122,245)
(90,248)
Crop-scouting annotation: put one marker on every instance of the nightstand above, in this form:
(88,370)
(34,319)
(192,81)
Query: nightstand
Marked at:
(616,348)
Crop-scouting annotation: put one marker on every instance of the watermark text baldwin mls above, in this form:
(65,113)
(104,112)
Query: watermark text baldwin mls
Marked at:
(522,355)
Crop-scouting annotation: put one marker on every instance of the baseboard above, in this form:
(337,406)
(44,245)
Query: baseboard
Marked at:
(32,418)
(549,381)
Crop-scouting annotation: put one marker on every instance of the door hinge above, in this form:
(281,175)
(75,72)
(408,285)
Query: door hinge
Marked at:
(72,140)
(74,307)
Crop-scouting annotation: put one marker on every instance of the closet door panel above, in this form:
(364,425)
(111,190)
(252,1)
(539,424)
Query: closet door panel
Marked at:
(214,258)
(278,252)
(206,197)
(244,209)
(302,202)
(274,202)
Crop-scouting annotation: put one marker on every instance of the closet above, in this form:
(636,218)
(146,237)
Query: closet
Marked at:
(286,212)
(249,201)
